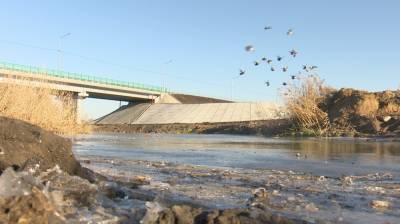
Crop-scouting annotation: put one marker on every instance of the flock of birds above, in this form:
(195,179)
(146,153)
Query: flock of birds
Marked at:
(293,53)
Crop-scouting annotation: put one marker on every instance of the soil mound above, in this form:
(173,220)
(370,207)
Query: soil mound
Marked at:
(27,147)
(364,112)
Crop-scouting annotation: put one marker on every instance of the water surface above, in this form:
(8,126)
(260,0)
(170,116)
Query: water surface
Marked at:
(327,157)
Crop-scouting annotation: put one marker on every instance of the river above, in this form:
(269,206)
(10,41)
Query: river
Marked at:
(285,165)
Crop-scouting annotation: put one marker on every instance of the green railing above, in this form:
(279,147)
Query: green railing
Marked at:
(77,76)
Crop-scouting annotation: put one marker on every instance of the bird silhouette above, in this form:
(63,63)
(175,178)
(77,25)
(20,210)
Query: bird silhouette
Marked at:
(256,63)
(293,77)
(284,69)
(279,58)
(263,59)
(305,68)
(272,69)
(249,48)
(267,27)
(284,84)
(293,52)
(267,83)
(313,67)
(241,72)
(290,32)
(269,61)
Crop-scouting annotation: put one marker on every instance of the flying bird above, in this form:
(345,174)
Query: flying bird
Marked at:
(305,68)
(272,69)
(293,77)
(313,67)
(249,48)
(267,83)
(241,72)
(256,63)
(293,52)
(264,59)
(279,58)
(284,84)
(267,27)
(269,61)
(284,69)
(290,32)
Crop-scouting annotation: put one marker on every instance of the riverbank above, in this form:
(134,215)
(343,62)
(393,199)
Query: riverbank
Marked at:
(113,190)
(266,128)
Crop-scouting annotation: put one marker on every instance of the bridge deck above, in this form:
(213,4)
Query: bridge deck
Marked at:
(78,76)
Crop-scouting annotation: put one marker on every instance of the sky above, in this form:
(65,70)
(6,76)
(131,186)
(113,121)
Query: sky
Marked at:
(197,47)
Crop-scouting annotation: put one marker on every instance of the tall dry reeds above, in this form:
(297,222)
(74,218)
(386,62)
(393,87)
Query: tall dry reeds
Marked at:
(302,99)
(49,109)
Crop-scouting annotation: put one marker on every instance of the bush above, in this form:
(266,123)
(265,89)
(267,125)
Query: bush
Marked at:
(302,100)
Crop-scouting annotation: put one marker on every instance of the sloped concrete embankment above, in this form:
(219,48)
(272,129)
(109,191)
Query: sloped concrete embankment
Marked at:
(193,113)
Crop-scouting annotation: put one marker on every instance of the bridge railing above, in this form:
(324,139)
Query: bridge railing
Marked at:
(80,77)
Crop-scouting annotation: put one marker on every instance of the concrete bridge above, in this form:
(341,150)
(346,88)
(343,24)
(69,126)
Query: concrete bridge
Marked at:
(84,86)
(80,85)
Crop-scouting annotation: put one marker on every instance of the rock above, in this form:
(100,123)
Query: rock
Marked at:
(153,212)
(29,147)
(347,181)
(184,214)
(142,179)
(378,204)
(24,200)
(260,193)
(32,208)
(311,207)
(386,118)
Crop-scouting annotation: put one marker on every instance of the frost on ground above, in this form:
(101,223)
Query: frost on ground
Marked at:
(133,191)
(299,197)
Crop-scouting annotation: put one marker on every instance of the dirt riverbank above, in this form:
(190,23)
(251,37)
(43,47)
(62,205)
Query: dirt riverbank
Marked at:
(26,147)
(267,128)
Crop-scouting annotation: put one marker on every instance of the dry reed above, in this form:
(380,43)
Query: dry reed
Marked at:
(302,99)
(46,108)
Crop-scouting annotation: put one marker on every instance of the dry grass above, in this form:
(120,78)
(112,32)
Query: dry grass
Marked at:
(302,100)
(51,110)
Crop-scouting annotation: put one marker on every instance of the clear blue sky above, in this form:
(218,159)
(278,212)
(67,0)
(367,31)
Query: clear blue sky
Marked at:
(354,43)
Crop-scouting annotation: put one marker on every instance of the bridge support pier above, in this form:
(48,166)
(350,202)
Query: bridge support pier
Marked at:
(77,102)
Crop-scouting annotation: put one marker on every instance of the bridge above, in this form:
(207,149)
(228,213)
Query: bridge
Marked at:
(80,85)
(85,86)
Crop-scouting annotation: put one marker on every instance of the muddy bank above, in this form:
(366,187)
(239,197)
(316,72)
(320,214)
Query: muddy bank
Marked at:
(26,147)
(56,197)
(230,195)
(266,128)
(357,112)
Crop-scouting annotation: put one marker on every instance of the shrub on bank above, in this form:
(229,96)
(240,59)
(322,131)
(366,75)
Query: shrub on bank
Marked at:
(302,99)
